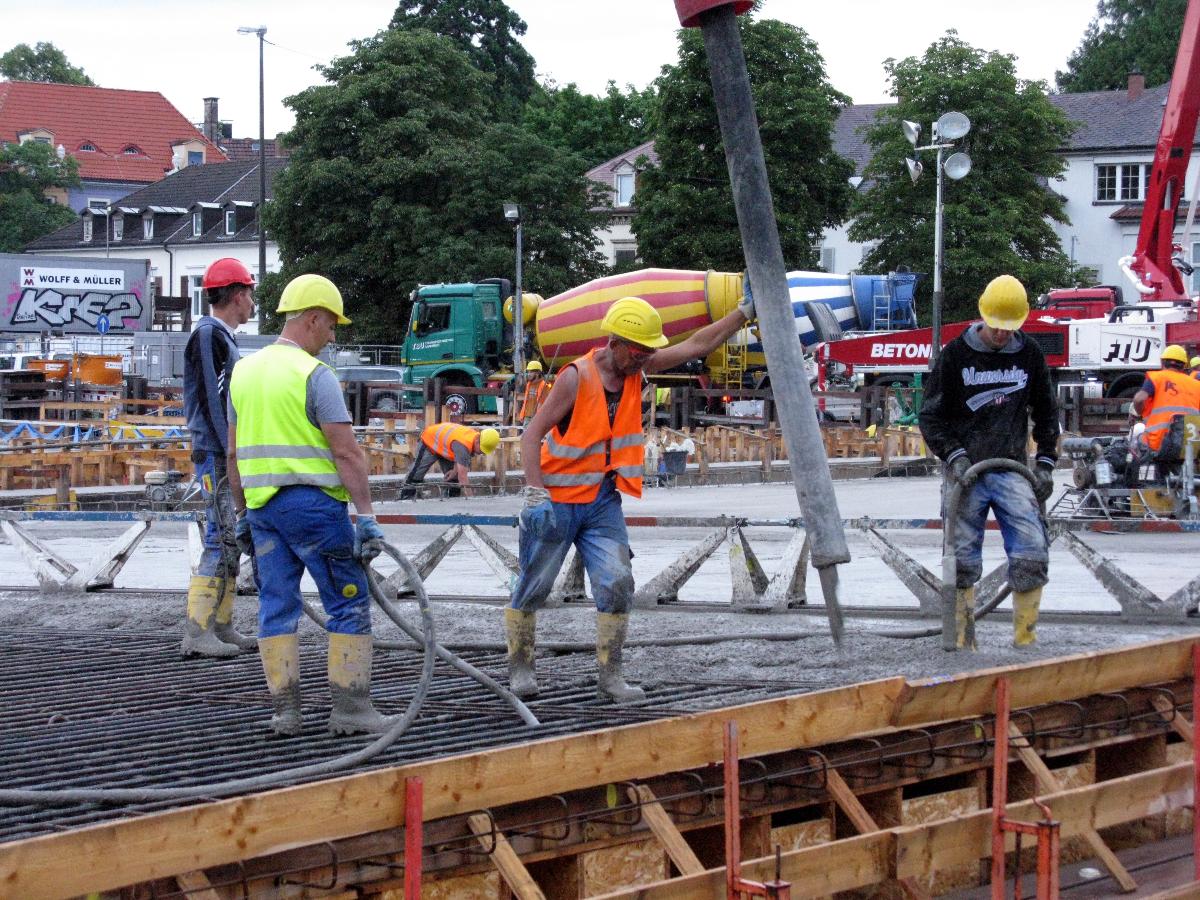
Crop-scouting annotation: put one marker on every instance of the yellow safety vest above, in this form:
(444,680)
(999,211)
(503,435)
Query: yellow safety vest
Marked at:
(277,445)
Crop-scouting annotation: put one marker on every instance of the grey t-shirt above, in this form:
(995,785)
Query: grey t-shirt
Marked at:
(323,401)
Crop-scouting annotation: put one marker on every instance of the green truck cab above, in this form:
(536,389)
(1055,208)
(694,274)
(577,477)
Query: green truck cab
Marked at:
(456,333)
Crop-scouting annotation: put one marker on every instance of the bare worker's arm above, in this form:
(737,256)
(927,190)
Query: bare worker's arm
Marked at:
(1139,402)
(556,407)
(351,463)
(698,346)
(231,472)
(462,475)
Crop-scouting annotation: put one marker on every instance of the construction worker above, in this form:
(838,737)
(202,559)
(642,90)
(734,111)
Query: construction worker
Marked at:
(1194,367)
(209,358)
(536,388)
(593,452)
(984,388)
(451,446)
(1166,393)
(294,463)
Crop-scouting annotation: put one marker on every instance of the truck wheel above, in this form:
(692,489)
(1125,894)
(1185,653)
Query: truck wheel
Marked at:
(386,403)
(460,404)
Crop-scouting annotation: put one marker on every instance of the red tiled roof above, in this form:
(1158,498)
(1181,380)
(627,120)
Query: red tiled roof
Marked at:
(109,119)
(1132,212)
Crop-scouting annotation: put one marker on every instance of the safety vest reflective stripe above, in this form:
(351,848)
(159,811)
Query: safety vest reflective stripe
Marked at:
(316,479)
(288,451)
(629,440)
(564,480)
(565,451)
(1172,411)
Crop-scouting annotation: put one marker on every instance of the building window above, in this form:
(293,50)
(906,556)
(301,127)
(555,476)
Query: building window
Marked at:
(147,228)
(625,186)
(197,224)
(41,140)
(624,254)
(87,147)
(197,294)
(131,150)
(87,229)
(118,227)
(230,222)
(99,204)
(1124,182)
(195,157)
(828,258)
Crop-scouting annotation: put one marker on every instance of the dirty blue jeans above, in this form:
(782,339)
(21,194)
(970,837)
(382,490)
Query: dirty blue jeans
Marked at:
(597,529)
(1021,527)
(300,528)
(210,472)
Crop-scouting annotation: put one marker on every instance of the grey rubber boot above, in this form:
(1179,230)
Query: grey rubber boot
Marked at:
(350,687)
(610,638)
(281,664)
(223,625)
(199,636)
(519,630)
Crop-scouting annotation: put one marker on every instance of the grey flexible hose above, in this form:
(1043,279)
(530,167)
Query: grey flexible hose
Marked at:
(9,797)
(590,647)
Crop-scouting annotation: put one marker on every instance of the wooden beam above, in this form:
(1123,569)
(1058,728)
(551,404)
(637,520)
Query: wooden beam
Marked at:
(130,851)
(664,829)
(505,859)
(196,885)
(1182,726)
(1048,783)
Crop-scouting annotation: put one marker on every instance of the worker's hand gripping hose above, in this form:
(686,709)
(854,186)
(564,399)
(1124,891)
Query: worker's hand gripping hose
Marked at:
(274,779)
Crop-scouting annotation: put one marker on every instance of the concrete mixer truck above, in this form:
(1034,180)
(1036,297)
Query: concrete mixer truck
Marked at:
(460,332)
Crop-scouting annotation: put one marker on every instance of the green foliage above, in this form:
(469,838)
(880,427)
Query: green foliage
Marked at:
(398,179)
(594,128)
(685,215)
(26,172)
(44,62)
(995,219)
(1125,36)
(487,31)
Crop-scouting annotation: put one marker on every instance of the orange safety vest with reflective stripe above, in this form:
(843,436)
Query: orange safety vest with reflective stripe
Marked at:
(438,438)
(1175,394)
(575,464)
(535,393)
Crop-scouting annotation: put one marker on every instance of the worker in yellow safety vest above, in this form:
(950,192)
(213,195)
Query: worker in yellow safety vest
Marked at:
(537,386)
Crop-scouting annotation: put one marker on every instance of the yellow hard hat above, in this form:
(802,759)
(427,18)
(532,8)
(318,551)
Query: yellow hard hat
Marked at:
(1195,363)
(489,439)
(1176,353)
(1004,304)
(308,291)
(534,366)
(635,320)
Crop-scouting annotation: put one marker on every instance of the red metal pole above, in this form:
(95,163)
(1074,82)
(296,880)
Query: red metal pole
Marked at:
(999,786)
(414,813)
(1195,759)
(1047,870)
(733,821)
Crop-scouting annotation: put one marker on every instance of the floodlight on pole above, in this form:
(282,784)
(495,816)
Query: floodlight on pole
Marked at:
(261,31)
(512,214)
(914,168)
(912,131)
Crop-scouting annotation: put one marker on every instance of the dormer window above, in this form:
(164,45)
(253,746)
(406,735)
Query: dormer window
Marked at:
(147,228)
(230,222)
(87,147)
(131,150)
(624,184)
(118,227)
(87,229)
(197,223)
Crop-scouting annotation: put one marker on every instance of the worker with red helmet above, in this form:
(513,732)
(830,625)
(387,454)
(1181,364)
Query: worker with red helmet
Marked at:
(208,358)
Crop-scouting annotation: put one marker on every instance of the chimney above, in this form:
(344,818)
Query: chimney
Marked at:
(1137,84)
(212,127)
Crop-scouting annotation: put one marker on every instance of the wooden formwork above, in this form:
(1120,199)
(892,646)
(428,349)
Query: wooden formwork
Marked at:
(923,831)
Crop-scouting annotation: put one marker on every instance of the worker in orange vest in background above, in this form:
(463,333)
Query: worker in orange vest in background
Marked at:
(536,389)
(1165,394)
(451,446)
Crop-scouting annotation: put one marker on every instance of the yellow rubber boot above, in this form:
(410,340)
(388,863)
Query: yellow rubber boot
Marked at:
(199,637)
(281,665)
(964,612)
(1025,616)
(223,625)
(519,633)
(611,630)
(350,686)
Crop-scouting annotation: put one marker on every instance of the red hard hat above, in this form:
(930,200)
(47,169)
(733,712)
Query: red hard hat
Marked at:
(225,272)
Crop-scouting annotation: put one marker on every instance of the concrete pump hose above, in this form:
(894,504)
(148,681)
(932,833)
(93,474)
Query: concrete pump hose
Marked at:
(10,797)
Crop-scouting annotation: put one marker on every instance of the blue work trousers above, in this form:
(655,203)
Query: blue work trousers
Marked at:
(300,528)
(1021,526)
(220,557)
(597,529)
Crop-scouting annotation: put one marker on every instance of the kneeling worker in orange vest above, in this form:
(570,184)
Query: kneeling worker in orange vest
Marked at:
(1165,394)
(592,452)
(451,446)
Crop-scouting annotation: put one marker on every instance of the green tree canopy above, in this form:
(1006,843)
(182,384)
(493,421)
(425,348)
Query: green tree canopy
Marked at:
(26,172)
(398,178)
(44,62)
(487,31)
(996,220)
(594,128)
(685,216)
(1125,36)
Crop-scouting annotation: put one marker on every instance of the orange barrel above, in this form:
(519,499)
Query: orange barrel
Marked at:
(568,324)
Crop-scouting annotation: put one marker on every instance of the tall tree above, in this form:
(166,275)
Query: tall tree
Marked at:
(27,171)
(595,128)
(1125,36)
(685,216)
(43,62)
(398,176)
(488,32)
(997,219)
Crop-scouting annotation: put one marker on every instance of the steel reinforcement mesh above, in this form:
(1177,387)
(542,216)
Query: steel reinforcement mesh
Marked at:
(120,709)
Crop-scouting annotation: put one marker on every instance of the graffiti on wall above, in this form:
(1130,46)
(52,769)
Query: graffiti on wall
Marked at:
(75,300)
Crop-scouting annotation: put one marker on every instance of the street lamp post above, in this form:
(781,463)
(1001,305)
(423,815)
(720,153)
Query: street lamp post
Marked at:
(949,127)
(261,31)
(512,213)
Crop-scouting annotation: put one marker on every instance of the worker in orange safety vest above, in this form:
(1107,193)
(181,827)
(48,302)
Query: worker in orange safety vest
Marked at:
(536,389)
(1165,394)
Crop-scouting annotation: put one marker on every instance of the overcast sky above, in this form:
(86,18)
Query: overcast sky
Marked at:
(188,52)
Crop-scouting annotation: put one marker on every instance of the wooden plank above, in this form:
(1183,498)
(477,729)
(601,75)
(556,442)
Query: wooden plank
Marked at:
(196,885)
(664,829)
(1182,726)
(505,859)
(1183,892)
(1048,783)
(160,845)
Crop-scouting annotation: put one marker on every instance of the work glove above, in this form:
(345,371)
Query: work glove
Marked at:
(538,515)
(746,307)
(368,539)
(243,536)
(956,471)
(1043,477)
